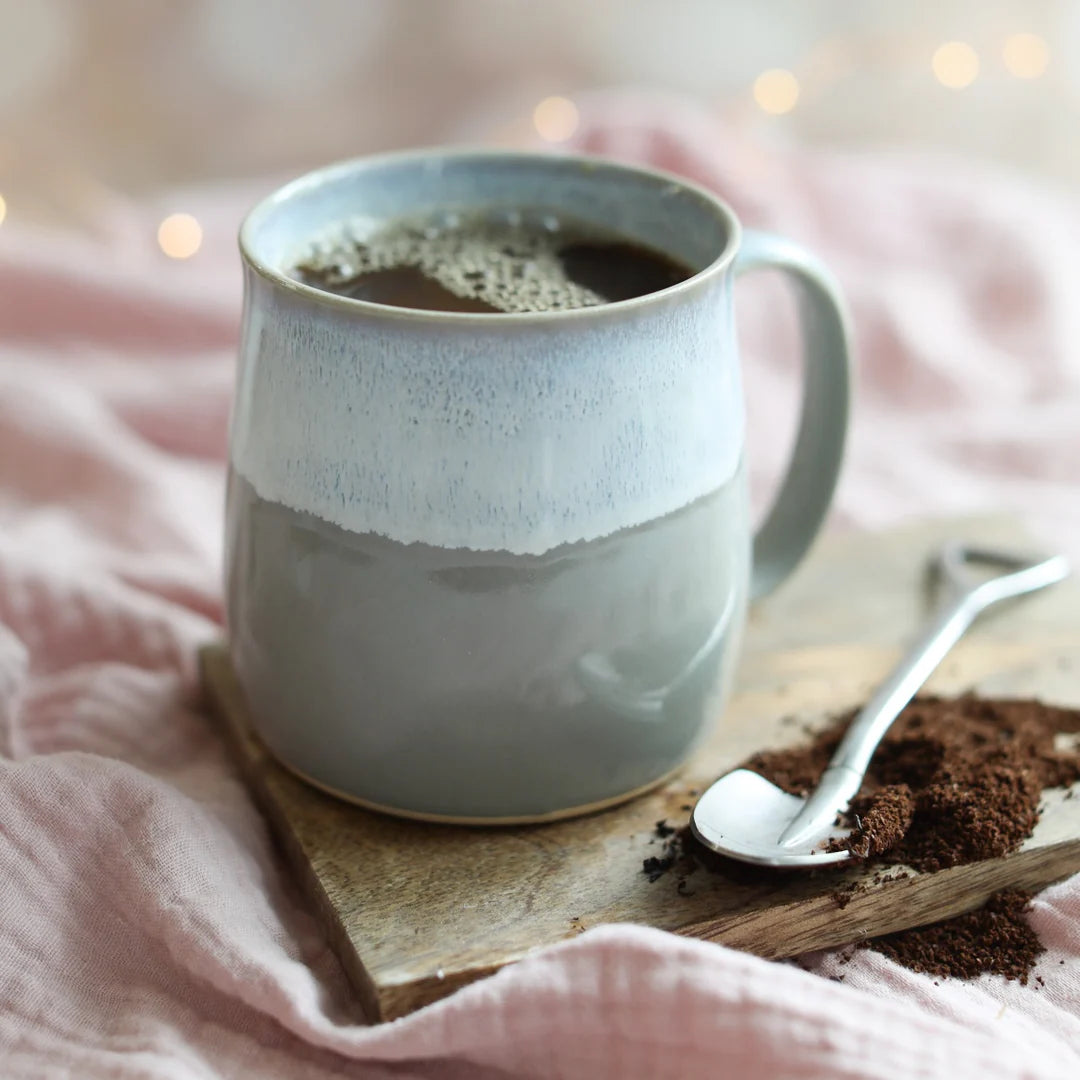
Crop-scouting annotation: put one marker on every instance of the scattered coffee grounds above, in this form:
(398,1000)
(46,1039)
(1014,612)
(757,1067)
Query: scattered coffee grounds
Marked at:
(656,866)
(663,830)
(682,854)
(956,780)
(997,939)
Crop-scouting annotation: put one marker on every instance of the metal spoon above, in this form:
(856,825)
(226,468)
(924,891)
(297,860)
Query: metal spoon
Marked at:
(746,817)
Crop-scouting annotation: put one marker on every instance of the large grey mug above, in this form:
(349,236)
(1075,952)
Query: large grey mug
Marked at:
(493,567)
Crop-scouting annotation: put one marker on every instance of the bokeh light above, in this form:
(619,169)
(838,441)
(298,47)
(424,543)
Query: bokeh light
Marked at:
(555,119)
(179,236)
(1026,56)
(3,209)
(776,91)
(955,64)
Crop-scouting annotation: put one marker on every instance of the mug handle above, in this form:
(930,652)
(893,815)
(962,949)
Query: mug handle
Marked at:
(799,508)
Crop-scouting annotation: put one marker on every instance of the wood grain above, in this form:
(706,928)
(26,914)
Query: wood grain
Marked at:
(417,910)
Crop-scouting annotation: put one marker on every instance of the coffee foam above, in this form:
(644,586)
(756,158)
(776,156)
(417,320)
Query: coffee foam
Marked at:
(518,436)
(510,263)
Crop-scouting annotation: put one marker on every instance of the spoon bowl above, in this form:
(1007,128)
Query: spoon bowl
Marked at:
(742,814)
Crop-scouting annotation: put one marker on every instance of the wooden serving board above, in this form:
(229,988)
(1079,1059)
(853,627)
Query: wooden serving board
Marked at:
(416,910)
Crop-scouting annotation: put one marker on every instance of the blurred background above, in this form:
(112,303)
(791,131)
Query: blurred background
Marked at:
(132,96)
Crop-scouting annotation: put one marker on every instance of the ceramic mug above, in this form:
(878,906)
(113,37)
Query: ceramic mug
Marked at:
(495,567)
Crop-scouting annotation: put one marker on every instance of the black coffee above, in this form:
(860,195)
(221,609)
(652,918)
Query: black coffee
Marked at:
(494,263)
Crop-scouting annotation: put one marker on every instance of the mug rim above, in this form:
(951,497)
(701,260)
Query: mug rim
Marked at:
(317,177)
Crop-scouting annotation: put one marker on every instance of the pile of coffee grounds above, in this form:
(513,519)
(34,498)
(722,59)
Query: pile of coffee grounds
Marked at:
(881,821)
(956,780)
(997,939)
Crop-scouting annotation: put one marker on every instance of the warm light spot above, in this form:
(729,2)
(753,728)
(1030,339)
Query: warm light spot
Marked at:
(555,119)
(776,91)
(955,64)
(1025,55)
(3,209)
(179,236)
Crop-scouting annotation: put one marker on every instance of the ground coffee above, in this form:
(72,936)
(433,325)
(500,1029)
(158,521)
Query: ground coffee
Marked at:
(881,821)
(956,780)
(997,939)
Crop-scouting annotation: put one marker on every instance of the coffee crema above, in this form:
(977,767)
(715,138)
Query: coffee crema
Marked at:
(487,263)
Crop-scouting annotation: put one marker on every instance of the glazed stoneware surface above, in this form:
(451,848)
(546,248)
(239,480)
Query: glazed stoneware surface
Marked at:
(496,567)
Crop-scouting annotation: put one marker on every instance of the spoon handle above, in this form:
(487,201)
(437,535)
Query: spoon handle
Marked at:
(843,777)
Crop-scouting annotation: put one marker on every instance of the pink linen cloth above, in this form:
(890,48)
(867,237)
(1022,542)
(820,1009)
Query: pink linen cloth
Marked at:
(147,928)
